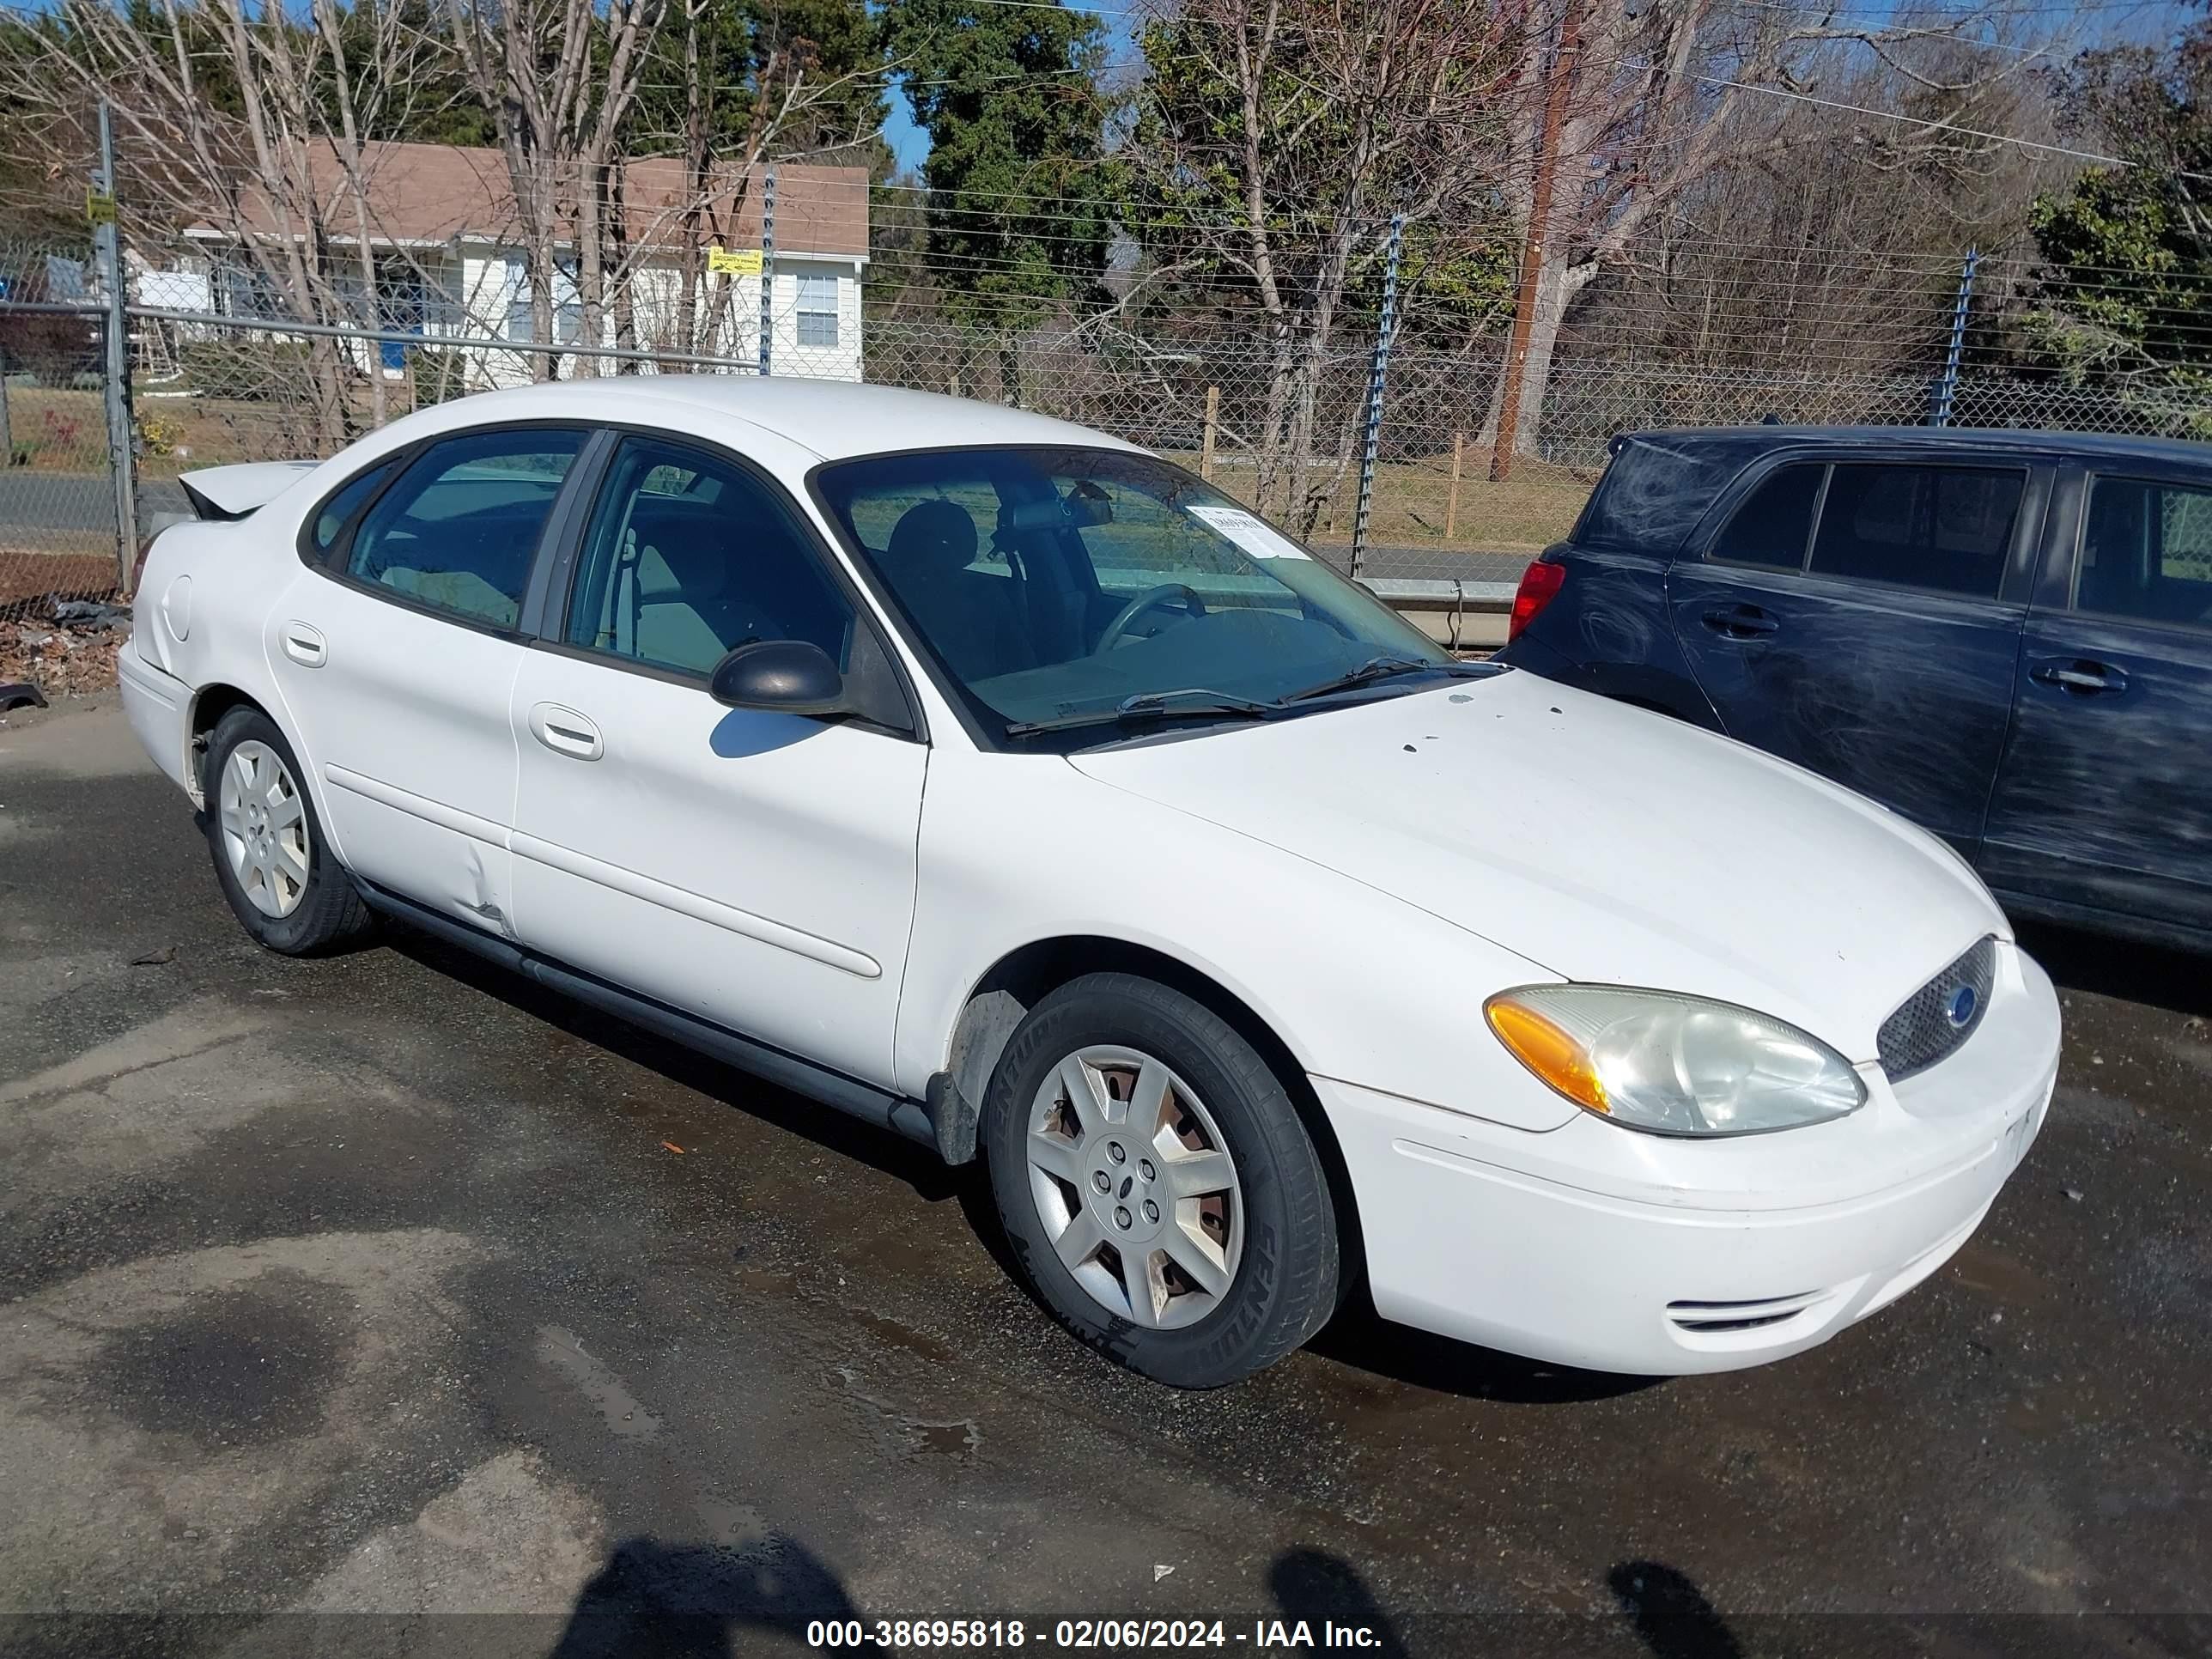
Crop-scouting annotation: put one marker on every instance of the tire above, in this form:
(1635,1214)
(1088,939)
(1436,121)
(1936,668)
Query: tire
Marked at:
(1233,1276)
(258,850)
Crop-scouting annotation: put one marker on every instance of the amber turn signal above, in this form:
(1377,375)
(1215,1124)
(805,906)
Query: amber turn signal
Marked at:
(1548,1051)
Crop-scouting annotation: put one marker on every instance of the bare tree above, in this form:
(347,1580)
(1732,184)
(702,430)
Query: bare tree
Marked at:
(1272,142)
(282,183)
(1662,96)
(561,79)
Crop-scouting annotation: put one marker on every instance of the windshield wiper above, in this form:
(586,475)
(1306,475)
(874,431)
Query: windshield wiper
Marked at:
(1153,706)
(1382,668)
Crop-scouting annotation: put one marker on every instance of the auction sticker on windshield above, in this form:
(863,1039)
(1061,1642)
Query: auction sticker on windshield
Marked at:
(1255,536)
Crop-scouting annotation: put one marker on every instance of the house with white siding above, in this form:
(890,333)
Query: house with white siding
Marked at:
(449,265)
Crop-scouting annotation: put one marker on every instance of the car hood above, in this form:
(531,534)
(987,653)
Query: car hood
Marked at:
(1604,844)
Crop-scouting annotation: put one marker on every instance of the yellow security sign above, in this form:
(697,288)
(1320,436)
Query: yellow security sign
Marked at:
(100,210)
(734,261)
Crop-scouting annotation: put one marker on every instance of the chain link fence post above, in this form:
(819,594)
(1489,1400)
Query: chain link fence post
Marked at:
(1374,436)
(1946,383)
(768,266)
(121,454)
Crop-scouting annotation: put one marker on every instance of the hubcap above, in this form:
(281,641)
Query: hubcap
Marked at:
(1133,1182)
(265,828)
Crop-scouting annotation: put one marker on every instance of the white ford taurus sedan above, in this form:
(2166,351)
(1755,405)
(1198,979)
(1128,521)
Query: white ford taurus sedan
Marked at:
(1009,788)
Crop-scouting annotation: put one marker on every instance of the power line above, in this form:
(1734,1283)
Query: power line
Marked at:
(2091,157)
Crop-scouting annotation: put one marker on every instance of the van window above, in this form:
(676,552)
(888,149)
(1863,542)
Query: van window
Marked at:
(1775,522)
(2146,553)
(1657,488)
(1944,529)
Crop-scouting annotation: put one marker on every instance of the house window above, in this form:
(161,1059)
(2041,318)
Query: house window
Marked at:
(818,311)
(245,292)
(413,298)
(567,305)
(520,325)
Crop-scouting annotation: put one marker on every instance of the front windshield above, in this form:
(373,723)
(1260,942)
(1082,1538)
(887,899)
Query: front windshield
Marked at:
(1054,583)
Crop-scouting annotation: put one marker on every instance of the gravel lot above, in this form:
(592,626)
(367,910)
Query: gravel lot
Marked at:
(367,1306)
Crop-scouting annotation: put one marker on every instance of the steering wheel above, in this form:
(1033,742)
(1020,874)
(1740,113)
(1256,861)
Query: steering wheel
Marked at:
(1152,598)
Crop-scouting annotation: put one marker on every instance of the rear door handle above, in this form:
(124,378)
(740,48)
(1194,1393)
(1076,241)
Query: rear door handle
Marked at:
(565,732)
(1740,622)
(304,644)
(2079,677)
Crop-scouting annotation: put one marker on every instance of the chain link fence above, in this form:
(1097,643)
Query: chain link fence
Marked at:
(210,386)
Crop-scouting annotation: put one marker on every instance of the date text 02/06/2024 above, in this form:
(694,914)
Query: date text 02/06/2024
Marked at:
(996,1635)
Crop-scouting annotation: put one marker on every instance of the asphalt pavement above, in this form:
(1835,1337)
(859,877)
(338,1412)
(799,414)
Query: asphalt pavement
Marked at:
(48,502)
(382,1304)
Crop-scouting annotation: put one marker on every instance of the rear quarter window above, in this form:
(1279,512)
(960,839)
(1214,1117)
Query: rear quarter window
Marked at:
(1655,490)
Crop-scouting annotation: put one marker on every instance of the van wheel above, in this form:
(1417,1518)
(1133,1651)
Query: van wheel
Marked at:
(1157,1185)
(269,855)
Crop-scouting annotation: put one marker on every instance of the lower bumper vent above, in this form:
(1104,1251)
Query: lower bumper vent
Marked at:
(1713,1318)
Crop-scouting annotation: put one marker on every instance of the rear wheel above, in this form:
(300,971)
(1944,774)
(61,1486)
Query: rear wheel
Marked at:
(270,856)
(1157,1185)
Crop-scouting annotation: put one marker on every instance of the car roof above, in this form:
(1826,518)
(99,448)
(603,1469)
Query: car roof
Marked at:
(835,419)
(1752,440)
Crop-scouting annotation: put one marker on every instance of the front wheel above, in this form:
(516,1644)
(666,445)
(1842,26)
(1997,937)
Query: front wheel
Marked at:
(269,855)
(1157,1185)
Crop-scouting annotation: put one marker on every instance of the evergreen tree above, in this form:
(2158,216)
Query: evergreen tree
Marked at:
(1009,97)
(2126,282)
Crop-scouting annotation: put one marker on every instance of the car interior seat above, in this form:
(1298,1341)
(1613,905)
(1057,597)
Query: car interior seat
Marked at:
(973,617)
(690,602)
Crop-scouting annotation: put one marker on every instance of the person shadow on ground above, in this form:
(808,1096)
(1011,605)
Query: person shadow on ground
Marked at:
(658,1600)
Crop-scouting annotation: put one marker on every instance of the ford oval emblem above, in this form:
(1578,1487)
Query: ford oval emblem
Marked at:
(1962,1005)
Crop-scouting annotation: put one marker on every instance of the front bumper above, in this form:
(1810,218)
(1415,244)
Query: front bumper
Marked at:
(1595,1246)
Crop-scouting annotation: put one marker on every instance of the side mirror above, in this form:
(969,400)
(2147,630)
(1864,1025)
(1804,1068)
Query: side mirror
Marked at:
(791,677)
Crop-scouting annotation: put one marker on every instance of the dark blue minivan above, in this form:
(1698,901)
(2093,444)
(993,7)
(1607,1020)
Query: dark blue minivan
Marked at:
(2006,637)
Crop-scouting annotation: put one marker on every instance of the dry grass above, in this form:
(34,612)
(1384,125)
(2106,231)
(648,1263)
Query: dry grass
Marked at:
(66,431)
(1413,504)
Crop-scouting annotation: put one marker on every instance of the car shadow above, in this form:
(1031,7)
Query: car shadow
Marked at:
(2126,969)
(1362,1339)
(918,1166)
(1358,1337)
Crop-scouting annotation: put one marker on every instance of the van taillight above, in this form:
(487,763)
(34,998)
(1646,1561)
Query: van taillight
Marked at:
(1540,583)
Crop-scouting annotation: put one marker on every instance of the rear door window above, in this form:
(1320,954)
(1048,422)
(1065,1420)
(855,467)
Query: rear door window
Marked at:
(2146,553)
(1774,524)
(338,510)
(458,531)
(1942,529)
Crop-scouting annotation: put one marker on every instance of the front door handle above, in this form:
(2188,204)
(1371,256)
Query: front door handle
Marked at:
(1740,622)
(304,644)
(565,732)
(2079,677)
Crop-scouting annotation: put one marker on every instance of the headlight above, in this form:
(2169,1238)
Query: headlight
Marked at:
(1673,1064)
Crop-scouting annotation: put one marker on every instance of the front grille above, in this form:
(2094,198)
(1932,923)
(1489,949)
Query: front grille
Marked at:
(1925,1029)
